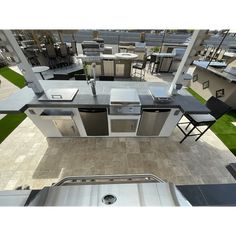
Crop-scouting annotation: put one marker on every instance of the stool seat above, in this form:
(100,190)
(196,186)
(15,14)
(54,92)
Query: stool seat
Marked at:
(199,118)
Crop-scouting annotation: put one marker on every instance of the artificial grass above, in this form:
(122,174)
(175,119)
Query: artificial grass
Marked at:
(13,77)
(223,128)
(199,98)
(9,122)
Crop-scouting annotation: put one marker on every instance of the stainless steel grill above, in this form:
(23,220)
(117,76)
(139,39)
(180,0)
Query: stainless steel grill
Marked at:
(111,190)
(124,102)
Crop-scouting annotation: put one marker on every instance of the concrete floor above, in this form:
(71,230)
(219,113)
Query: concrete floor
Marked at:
(28,158)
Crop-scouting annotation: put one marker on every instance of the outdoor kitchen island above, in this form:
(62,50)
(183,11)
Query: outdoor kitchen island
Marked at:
(85,115)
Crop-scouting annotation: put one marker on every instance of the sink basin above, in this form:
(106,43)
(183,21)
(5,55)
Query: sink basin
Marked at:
(63,94)
(126,55)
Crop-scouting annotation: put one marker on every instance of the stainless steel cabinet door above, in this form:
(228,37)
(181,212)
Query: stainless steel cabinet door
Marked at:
(67,127)
(152,121)
(95,121)
(120,126)
(108,68)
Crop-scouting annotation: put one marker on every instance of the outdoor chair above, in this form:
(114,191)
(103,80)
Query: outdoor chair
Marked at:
(153,63)
(141,67)
(31,57)
(74,48)
(207,53)
(221,55)
(141,52)
(64,55)
(52,56)
(217,109)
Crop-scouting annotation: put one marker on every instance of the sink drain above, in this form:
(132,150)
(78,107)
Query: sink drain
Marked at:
(109,199)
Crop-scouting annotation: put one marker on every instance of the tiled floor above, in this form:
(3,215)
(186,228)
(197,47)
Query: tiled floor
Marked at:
(28,158)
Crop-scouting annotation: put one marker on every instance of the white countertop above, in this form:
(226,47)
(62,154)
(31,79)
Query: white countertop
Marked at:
(39,69)
(163,54)
(125,56)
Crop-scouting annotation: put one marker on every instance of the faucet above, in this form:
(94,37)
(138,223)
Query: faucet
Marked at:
(93,81)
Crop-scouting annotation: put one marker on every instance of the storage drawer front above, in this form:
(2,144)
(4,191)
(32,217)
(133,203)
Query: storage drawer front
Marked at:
(120,126)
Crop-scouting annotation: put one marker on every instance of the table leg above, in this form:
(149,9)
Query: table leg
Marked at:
(41,75)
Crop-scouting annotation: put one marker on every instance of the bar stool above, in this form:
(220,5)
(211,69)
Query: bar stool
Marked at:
(153,63)
(217,108)
(141,67)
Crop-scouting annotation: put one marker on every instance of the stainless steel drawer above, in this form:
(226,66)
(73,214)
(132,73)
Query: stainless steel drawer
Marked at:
(132,110)
(120,126)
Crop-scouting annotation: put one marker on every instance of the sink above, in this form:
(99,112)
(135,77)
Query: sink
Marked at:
(126,55)
(63,94)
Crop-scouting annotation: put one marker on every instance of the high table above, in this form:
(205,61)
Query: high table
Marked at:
(40,70)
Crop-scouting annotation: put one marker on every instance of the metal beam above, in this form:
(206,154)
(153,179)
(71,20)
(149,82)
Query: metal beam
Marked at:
(196,40)
(30,77)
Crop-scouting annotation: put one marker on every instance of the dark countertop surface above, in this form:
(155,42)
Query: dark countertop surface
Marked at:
(210,194)
(25,97)
(218,71)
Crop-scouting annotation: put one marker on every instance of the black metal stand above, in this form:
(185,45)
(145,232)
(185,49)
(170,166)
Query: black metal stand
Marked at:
(191,130)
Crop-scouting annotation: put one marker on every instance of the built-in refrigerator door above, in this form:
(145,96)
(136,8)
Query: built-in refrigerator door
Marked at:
(66,126)
(95,121)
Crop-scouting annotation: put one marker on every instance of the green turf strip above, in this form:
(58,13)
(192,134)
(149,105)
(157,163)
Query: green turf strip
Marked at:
(13,77)
(223,128)
(8,123)
(11,121)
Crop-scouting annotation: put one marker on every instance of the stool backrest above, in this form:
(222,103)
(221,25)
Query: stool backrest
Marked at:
(217,107)
(153,58)
(74,47)
(51,51)
(63,49)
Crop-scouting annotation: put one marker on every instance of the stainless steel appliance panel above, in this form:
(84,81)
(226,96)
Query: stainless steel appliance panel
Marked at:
(95,121)
(124,96)
(152,121)
(108,67)
(66,126)
(123,125)
(165,64)
(140,194)
(62,120)
(122,109)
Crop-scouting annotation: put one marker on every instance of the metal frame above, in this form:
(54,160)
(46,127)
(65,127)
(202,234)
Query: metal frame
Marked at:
(109,179)
(29,75)
(141,73)
(194,127)
(190,54)
(214,53)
